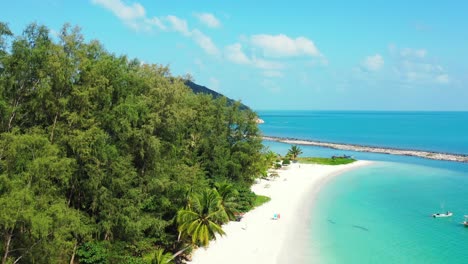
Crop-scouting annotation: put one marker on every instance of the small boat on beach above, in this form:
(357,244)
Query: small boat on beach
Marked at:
(437,215)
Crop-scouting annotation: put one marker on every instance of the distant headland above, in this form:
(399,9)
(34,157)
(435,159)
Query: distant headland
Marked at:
(374,149)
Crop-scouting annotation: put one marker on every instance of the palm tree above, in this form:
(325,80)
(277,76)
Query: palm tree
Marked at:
(161,257)
(270,158)
(200,221)
(227,194)
(294,152)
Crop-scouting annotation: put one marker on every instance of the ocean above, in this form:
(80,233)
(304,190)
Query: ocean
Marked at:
(382,213)
(433,131)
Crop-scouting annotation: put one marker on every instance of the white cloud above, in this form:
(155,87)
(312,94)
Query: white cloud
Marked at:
(284,46)
(178,25)
(209,20)
(373,63)
(235,54)
(156,22)
(122,11)
(422,72)
(204,42)
(132,15)
(414,66)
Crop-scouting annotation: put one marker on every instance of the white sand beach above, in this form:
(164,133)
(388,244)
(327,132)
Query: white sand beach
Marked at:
(260,239)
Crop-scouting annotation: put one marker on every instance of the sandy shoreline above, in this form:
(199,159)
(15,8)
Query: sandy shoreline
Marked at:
(260,239)
(372,149)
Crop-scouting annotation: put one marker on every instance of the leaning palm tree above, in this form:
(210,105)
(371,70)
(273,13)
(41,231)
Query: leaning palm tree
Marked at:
(227,194)
(294,152)
(200,221)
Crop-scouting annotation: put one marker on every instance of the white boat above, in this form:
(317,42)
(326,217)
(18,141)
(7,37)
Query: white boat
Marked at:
(448,214)
(465,223)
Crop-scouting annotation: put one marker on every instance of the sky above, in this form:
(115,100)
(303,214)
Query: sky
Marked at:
(285,55)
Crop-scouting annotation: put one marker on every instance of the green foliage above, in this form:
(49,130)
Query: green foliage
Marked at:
(326,161)
(267,161)
(286,161)
(245,200)
(93,253)
(261,199)
(278,166)
(161,257)
(227,194)
(4,33)
(99,153)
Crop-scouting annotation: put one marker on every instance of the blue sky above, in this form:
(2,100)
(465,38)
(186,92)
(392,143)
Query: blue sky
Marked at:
(318,55)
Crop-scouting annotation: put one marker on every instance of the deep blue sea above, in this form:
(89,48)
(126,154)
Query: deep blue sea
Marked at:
(381,213)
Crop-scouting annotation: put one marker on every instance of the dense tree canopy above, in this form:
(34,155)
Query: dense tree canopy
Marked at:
(99,153)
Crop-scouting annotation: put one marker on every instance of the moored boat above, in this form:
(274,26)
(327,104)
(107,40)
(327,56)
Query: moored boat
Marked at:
(448,214)
(465,223)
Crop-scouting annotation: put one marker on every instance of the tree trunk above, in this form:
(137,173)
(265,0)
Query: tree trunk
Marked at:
(18,259)
(7,247)
(71,194)
(53,129)
(13,114)
(72,260)
(180,252)
(11,120)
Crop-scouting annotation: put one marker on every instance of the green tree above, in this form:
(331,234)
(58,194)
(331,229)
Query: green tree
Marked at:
(5,32)
(93,253)
(35,222)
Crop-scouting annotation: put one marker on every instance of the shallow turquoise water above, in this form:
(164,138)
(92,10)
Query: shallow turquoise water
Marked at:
(381,214)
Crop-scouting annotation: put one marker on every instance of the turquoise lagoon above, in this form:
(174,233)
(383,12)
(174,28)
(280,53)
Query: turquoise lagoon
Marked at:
(381,213)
